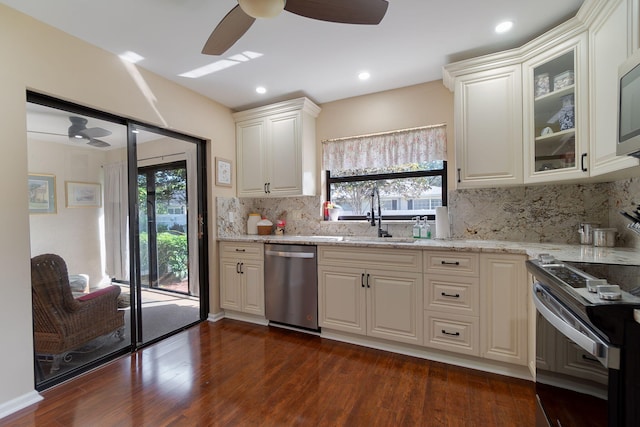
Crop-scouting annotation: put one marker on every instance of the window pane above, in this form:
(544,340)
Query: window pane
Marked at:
(403,196)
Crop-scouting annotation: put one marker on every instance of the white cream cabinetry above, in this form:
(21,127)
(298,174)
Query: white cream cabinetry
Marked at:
(377,293)
(555,125)
(488,127)
(242,277)
(451,301)
(609,45)
(586,49)
(276,149)
(503,308)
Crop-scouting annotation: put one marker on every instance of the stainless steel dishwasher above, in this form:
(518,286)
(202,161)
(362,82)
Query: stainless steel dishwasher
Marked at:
(291,285)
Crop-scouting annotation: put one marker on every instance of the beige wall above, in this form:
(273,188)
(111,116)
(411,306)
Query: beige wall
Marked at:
(413,106)
(40,58)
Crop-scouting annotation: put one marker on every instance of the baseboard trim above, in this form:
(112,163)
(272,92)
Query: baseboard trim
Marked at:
(20,402)
(215,317)
(234,315)
(471,362)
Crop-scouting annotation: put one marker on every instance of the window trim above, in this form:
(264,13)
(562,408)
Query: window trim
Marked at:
(384,176)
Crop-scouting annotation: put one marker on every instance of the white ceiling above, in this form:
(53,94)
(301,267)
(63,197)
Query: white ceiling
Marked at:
(302,56)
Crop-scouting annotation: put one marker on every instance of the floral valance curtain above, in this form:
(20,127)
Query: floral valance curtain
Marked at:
(386,149)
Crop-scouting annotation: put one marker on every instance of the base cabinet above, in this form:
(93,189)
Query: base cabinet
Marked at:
(503,308)
(381,303)
(242,278)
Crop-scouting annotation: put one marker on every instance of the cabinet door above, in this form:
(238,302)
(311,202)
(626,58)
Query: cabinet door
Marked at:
(556,111)
(230,292)
(341,299)
(488,127)
(250,142)
(394,306)
(607,49)
(503,308)
(253,287)
(284,169)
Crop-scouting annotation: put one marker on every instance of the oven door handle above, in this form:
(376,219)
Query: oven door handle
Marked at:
(607,355)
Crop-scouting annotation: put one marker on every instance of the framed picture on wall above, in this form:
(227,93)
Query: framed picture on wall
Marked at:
(223,172)
(42,193)
(83,194)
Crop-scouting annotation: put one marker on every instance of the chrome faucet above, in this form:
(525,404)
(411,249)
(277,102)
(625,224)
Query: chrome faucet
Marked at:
(381,233)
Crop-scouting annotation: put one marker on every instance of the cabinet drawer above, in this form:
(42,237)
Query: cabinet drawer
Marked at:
(386,259)
(452,332)
(242,250)
(452,294)
(460,263)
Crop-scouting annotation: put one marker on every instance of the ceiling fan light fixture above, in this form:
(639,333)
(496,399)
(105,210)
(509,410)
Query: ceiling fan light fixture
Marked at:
(262,8)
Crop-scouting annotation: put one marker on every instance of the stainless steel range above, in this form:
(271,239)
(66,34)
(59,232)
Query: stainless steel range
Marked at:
(587,343)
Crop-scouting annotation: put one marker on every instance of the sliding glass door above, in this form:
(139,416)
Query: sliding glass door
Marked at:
(169,234)
(118,239)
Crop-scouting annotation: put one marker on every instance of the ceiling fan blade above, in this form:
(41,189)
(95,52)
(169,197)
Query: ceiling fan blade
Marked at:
(228,31)
(367,12)
(98,143)
(95,132)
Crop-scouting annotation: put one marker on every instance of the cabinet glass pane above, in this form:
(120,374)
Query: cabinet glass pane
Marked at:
(554,114)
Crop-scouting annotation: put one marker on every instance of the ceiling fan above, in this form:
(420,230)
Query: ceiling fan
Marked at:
(79,131)
(242,16)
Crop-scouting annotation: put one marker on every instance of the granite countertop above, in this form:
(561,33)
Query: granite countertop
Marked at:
(563,252)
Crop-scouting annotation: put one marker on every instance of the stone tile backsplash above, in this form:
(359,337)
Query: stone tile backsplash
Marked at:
(541,214)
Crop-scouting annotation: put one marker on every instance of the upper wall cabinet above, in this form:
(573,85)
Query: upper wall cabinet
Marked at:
(555,108)
(563,102)
(276,149)
(488,127)
(611,41)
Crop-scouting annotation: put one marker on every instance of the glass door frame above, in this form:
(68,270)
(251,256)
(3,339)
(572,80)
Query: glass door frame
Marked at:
(133,128)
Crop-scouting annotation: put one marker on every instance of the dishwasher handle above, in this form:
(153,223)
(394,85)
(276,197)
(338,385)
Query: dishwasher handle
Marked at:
(284,254)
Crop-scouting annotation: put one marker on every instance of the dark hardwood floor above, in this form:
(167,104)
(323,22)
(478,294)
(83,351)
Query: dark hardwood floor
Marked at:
(231,373)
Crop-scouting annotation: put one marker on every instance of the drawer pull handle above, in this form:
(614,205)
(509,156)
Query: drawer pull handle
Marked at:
(444,294)
(450,263)
(456,334)
(240,250)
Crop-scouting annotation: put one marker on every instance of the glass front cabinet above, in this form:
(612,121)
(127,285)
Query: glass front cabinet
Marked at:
(555,109)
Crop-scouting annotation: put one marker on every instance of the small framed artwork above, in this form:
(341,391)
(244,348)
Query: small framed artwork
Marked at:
(83,194)
(42,194)
(223,172)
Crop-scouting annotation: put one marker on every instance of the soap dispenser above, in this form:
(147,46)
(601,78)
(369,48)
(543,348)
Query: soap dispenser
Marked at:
(427,229)
(416,227)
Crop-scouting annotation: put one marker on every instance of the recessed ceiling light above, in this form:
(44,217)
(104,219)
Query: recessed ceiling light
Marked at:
(503,27)
(132,57)
(261,89)
(364,75)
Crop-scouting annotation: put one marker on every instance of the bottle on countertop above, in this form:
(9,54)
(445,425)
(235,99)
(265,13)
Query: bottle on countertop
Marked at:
(427,229)
(416,227)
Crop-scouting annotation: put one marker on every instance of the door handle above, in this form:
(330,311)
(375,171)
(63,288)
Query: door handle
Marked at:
(362,280)
(459,171)
(238,267)
(265,187)
(368,286)
(584,156)
(242,268)
(268,187)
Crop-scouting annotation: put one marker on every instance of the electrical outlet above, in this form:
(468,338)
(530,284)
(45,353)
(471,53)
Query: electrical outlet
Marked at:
(231,217)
